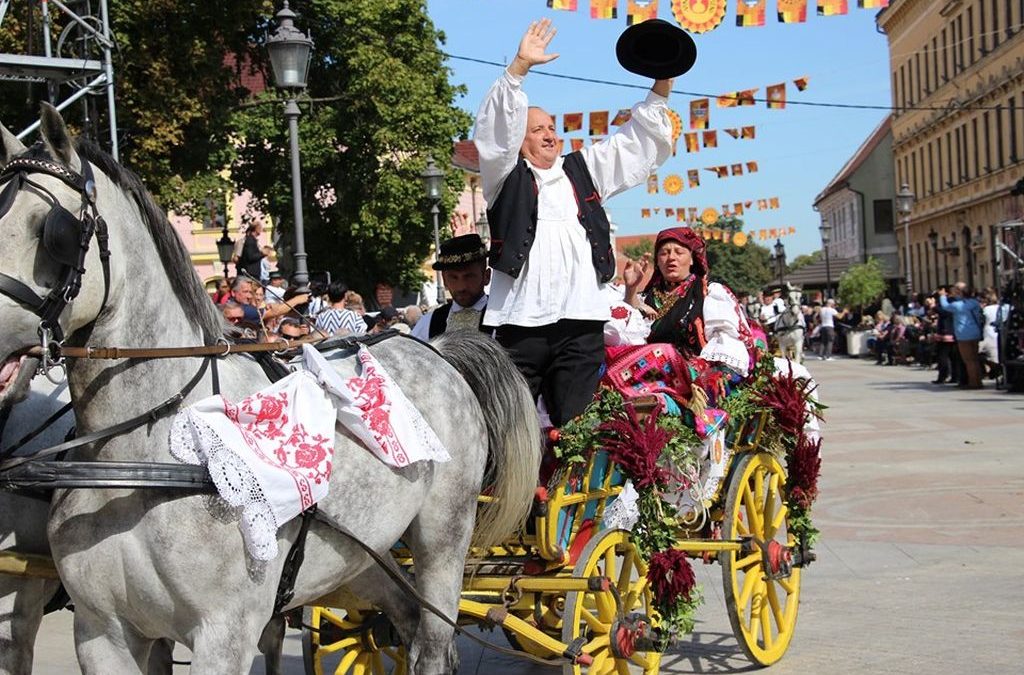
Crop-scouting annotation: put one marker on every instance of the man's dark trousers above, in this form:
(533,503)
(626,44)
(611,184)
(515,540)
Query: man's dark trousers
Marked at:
(561,360)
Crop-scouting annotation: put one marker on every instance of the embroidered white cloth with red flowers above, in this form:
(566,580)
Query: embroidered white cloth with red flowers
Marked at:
(270,454)
(373,407)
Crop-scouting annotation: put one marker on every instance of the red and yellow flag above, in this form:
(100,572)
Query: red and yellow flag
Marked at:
(773,203)
(673,185)
(577,144)
(729,100)
(792,11)
(652,184)
(599,123)
(670,212)
(792,230)
(735,133)
(750,13)
(711,139)
(699,113)
(746,97)
(680,214)
(776,96)
(692,143)
(572,122)
(751,167)
(604,9)
(801,82)
(832,7)
(748,132)
(645,213)
(693,177)
(762,204)
(638,11)
(569,5)
(872,4)
(719,171)
(737,169)
(621,117)
(698,16)
(737,208)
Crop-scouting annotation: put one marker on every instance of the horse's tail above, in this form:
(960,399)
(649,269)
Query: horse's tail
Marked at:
(513,433)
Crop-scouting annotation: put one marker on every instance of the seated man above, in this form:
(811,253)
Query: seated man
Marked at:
(463,265)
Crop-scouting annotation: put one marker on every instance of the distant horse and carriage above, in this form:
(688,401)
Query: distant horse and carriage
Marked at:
(378,572)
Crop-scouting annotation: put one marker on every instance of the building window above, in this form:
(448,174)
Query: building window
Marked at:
(1014,150)
(945,57)
(959,63)
(970,33)
(975,155)
(1000,137)
(903,87)
(983,33)
(883,215)
(988,142)
(931,168)
(917,76)
(949,159)
(995,24)
(1010,24)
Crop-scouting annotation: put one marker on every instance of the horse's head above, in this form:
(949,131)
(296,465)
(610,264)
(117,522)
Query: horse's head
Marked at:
(46,226)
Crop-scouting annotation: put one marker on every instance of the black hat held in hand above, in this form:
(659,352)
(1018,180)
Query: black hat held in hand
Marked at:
(656,49)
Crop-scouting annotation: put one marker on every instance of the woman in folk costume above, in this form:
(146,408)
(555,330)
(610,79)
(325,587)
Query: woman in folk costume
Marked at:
(700,344)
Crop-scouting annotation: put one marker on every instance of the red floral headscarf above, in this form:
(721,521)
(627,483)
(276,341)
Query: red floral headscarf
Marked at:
(692,241)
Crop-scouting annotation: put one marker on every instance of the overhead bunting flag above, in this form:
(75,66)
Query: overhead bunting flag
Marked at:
(638,11)
(604,9)
(652,184)
(872,4)
(699,16)
(737,169)
(572,122)
(734,132)
(692,144)
(594,140)
(680,215)
(801,82)
(711,139)
(621,117)
(762,204)
(670,212)
(773,203)
(776,96)
(673,185)
(792,11)
(577,144)
(677,126)
(748,132)
(719,171)
(751,167)
(569,5)
(694,178)
(599,123)
(699,113)
(692,211)
(746,97)
(645,213)
(831,7)
(729,100)
(750,13)
(737,208)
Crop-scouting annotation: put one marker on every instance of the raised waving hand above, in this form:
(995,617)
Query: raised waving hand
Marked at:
(533,47)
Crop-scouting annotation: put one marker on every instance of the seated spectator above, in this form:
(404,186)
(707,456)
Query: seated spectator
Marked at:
(411,315)
(223,292)
(354,302)
(276,287)
(335,319)
(385,319)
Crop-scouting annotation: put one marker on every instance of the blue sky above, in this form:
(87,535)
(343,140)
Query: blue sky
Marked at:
(798,149)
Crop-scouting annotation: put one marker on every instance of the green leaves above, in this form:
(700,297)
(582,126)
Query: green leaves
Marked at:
(862,284)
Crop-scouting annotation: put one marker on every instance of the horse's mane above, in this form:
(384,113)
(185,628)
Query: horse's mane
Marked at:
(177,263)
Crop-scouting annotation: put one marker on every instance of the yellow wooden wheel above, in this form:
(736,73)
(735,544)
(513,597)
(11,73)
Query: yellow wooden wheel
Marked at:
(762,589)
(350,642)
(590,619)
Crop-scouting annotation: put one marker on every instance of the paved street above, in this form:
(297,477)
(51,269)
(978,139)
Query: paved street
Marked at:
(921,563)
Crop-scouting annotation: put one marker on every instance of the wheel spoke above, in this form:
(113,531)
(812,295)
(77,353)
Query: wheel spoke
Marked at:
(758,479)
(338,646)
(766,624)
(787,585)
(622,667)
(599,661)
(595,623)
(753,515)
(626,572)
(605,607)
(776,521)
(748,560)
(346,662)
(770,497)
(609,563)
(749,584)
(773,602)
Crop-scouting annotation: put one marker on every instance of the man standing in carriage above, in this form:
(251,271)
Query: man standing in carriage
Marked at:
(462,262)
(551,252)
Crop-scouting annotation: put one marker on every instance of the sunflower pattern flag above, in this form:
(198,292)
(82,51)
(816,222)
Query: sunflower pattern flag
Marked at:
(693,177)
(568,5)
(699,113)
(801,82)
(638,11)
(599,123)
(776,96)
(699,16)
(621,117)
(673,185)
(792,11)
(711,139)
(572,122)
(750,13)
(677,126)
(832,7)
(604,9)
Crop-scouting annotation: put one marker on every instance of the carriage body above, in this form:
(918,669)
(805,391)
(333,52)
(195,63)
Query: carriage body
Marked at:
(570,589)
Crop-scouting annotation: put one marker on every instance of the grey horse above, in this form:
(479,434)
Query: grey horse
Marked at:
(23,517)
(144,566)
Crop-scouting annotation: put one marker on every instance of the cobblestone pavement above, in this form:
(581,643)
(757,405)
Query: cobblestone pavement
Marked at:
(921,563)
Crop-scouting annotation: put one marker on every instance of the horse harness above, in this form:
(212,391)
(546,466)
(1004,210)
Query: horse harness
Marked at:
(65,238)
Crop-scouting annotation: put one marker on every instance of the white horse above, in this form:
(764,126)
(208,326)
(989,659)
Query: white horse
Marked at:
(789,328)
(23,517)
(143,566)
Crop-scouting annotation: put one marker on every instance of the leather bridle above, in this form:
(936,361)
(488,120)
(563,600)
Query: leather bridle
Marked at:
(65,238)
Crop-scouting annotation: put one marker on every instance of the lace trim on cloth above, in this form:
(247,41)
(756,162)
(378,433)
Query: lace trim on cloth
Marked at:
(194,442)
(623,513)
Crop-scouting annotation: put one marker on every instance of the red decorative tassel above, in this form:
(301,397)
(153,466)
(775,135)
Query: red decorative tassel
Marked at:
(636,447)
(671,577)
(787,396)
(804,469)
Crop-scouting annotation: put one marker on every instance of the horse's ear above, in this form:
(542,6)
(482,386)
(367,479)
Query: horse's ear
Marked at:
(56,137)
(11,147)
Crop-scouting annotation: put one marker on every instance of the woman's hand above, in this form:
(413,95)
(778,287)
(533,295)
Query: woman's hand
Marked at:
(635,271)
(533,46)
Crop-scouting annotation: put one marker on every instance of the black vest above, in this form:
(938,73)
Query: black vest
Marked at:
(439,321)
(513,218)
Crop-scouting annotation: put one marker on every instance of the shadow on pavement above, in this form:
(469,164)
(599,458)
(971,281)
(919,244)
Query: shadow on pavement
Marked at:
(707,652)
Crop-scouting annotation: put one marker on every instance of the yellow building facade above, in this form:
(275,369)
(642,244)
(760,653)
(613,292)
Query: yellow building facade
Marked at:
(957,69)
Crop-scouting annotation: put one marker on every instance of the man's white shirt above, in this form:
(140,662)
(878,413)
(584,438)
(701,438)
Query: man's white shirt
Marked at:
(421,330)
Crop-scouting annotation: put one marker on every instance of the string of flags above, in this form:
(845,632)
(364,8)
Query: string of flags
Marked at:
(701,16)
(691,213)
(673,184)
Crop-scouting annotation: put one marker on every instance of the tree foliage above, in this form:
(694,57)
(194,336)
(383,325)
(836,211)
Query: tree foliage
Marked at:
(639,249)
(862,284)
(744,269)
(804,260)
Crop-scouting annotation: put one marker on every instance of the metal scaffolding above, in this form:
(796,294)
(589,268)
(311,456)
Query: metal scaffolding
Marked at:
(77,63)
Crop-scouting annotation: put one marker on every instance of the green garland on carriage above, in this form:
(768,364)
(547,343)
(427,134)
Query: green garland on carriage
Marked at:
(656,452)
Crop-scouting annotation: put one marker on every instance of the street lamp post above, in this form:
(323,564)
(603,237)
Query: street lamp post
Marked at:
(289,51)
(826,236)
(904,205)
(433,181)
(225,248)
(483,228)
(780,260)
